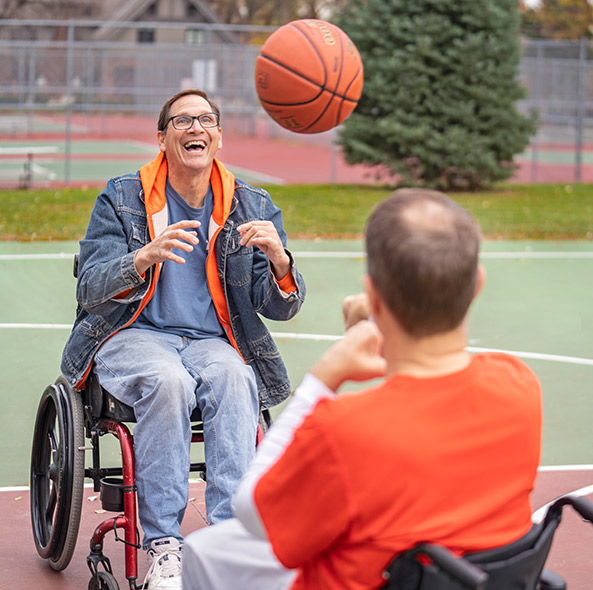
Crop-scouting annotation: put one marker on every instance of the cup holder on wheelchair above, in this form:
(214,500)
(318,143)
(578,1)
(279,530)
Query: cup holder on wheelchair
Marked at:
(112,494)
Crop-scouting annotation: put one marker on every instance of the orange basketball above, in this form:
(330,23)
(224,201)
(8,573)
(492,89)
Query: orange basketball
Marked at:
(308,76)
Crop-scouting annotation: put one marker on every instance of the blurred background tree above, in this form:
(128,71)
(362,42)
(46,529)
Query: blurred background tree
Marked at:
(558,19)
(439,103)
(272,12)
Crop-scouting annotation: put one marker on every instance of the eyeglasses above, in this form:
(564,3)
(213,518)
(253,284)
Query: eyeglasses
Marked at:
(185,122)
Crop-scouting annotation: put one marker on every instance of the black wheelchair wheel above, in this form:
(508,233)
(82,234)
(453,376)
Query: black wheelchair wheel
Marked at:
(105,581)
(57,473)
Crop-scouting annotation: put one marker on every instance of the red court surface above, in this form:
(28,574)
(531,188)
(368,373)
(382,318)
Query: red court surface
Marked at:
(263,148)
(22,569)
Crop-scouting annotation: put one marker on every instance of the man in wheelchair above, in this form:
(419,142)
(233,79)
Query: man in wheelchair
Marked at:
(444,449)
(178,263)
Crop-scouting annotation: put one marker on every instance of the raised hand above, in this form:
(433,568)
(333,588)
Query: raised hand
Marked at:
(357,356)
(263,234)
(161,248)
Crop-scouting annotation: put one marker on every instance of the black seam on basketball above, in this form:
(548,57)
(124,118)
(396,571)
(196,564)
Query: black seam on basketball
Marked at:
(348,88)
(320,114)
(337,119)
(342,98)
(292,25)
(355,77)
(321,88)
(333,93)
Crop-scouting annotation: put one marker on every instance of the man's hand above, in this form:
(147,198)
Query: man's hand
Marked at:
(161,248)
(263,234)
(357,356)
(355,308)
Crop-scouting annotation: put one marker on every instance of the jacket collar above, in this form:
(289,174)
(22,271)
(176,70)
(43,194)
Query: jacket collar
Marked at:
(153,177)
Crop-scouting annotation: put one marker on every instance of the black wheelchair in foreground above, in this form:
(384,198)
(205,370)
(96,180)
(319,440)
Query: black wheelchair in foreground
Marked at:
(517,566)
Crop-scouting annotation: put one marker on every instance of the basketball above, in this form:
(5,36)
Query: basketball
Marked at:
(309,76)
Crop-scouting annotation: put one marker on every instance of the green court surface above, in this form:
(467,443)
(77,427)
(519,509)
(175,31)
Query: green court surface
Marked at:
(555,156)
(91,161)
(536,303)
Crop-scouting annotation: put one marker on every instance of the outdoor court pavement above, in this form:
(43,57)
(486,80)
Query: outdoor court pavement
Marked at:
(536,303)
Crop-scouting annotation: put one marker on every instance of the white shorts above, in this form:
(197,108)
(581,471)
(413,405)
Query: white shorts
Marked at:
(225,556)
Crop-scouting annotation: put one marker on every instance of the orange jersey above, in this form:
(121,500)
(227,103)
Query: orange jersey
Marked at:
(449,460)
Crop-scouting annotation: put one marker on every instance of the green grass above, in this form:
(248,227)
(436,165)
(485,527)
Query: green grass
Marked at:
(508,212)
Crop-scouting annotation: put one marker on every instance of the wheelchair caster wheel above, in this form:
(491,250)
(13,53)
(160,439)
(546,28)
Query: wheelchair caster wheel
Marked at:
(103,581)
(57,473)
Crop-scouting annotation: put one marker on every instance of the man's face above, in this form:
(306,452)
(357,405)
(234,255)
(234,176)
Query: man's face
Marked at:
(193,148)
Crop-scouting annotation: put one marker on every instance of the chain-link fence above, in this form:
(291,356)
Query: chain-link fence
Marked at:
(68,71)
(558,76)
(103,67)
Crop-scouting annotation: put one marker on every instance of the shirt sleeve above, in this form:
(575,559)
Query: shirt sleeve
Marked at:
(273,446)
(303,498)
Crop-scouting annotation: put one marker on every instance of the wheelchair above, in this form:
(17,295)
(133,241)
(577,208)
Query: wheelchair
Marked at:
(66,417)
(517,566)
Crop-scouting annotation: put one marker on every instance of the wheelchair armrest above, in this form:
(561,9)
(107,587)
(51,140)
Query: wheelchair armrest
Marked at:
(551,581)
(462,570)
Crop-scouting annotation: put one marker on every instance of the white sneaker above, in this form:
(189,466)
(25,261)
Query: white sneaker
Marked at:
(165,571)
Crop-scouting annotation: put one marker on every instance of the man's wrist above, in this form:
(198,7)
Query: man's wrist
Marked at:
(282,268)
(328,372)
(140,262)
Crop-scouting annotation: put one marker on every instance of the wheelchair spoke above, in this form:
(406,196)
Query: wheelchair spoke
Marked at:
(54,474)
(51,505)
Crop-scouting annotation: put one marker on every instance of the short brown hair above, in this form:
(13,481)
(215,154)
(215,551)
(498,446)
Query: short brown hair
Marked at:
(166,108)
(423,253)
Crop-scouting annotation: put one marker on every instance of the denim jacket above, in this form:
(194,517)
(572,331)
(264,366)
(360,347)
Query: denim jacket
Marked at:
(110,291)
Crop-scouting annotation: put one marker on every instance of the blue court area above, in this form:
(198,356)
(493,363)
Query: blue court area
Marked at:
(536,303)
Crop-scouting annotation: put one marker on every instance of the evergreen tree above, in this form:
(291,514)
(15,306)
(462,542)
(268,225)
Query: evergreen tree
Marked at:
(438,104)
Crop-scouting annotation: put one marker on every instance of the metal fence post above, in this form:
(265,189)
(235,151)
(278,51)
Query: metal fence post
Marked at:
(581,98)
(69,98)
(536,92)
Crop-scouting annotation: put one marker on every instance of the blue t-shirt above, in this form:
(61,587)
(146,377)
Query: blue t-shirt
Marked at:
(182,303)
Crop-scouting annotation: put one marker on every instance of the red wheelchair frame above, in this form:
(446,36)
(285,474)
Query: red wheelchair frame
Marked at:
(57,477)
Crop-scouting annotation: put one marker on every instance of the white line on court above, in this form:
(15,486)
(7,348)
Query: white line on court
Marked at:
(566,468)
(57,256)
(544,468)
(545,255)
(17,326)
(260,176)
(489,255)
(529,355)
(354,255)
(331,338)
(558,358)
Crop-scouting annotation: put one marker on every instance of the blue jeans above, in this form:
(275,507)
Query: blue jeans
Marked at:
(163,377)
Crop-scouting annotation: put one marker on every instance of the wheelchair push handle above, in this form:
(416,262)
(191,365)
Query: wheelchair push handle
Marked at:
(463,571)
(583,506)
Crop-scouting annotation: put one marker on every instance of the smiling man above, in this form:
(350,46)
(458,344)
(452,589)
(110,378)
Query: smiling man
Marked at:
(179,262)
